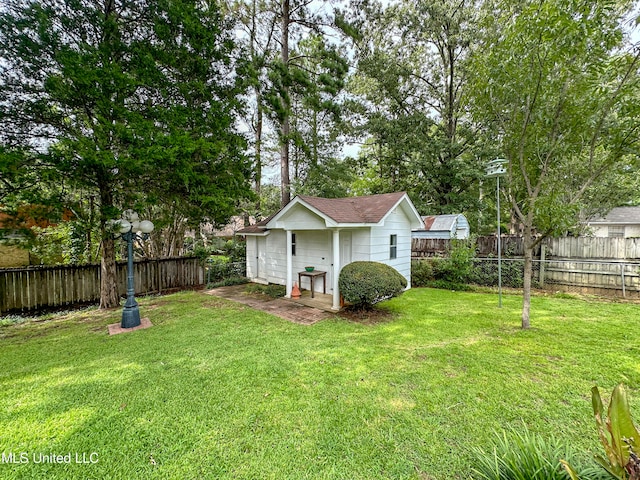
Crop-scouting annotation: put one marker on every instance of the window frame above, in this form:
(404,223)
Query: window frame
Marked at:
(393,246)
(616,231)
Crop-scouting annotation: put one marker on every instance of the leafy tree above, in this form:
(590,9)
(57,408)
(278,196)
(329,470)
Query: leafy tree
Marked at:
(412,69)
(297,74)
(258,21)
(269,200)
(131,101)
(555,87)
(316,109)
(305,81)
(332,178)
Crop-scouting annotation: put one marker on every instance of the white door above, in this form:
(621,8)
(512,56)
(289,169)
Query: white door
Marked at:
(345,248)
(261,252)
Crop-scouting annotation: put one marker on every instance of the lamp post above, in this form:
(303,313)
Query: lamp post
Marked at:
(496,168)
(131,228)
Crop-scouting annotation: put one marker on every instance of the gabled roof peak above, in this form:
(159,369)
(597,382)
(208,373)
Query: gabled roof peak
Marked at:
(365,209)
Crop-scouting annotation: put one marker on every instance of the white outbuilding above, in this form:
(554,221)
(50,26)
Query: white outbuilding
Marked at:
(443,226)
(329,233)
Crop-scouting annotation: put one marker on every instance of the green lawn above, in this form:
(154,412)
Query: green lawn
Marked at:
(217,390)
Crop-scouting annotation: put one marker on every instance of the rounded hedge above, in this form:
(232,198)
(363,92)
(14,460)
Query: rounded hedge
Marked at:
(363,284)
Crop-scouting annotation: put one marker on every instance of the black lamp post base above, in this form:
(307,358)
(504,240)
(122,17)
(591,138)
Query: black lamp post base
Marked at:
(130,317)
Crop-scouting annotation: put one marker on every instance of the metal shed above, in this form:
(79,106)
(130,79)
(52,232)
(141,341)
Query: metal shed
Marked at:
(443,226)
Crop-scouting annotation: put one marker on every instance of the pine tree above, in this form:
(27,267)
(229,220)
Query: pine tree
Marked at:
(134,101)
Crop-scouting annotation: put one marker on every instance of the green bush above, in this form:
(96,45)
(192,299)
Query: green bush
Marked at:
(618,435)
(229,281)
(446,285)
(453,272)
(521,455)
(235,249)
(457,268)
(219,268)
(421,273)
(485,272)
(363,284)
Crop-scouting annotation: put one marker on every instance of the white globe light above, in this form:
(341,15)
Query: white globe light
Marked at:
(113,225)
(130,215)
(124,226)
(135,225)
(146,226)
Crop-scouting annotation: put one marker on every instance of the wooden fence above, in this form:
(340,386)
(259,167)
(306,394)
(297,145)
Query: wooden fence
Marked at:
(589,248)
(36,288)
(596,265)
(595,277)
(510,245)
(594,248)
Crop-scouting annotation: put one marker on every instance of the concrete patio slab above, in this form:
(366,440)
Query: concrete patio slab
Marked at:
(281,307)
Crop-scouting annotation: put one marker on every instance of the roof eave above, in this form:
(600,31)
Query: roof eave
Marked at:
(275,221)
(254,234)
(357,225)
(416,221)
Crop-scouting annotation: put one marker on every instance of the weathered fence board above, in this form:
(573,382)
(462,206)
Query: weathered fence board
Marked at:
(429,247)
(510,245)
(594,247)
(34,288)
(586,264)
(564,247)
(598,275)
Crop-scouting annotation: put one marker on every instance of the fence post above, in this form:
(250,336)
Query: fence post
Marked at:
(543,257)
(622,268)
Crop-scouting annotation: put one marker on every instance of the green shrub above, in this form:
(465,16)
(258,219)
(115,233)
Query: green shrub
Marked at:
(457,267)
(202,252)
(453,272)
(219,268)
(229,281)
(421,273)
(521,455)
(446,285)
(363,284)
(235,249)
(485,272)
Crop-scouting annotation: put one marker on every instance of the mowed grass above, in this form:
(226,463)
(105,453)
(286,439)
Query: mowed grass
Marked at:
(218,390)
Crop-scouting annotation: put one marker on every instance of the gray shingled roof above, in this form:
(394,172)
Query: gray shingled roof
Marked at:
(367,209)
(619,216)
(259,227)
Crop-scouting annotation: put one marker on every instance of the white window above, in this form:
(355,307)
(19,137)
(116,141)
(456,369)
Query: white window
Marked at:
(393,247)
(293,244)
(616,231)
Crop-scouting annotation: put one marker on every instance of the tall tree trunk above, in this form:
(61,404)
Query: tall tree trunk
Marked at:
(285,184)
(259,111)
(314,155)
(258,166)
(87,257)
(529,245)
(108,282)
